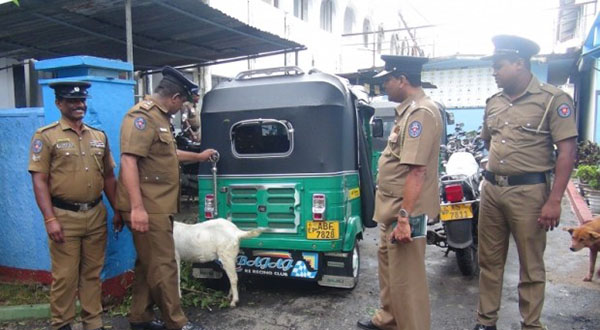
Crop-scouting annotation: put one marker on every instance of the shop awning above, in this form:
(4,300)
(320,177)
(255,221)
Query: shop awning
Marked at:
(176,33)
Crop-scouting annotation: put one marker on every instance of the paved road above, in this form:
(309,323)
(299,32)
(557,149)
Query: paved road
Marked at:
(571,304)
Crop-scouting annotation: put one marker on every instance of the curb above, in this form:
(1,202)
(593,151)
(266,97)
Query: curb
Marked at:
(22,312)
(580,207)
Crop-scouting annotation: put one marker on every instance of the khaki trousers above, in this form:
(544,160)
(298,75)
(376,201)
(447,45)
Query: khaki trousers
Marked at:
(156,273)
(404,292)
(76,266)
(506,211)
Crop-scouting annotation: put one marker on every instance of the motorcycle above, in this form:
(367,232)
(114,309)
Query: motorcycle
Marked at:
(456,228)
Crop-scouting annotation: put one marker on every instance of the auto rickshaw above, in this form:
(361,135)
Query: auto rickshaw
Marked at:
(295,160)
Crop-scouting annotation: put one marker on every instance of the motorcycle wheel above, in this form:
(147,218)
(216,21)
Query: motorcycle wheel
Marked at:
(466,259)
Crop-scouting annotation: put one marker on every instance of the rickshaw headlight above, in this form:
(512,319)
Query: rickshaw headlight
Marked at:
(209,206)
(318,206)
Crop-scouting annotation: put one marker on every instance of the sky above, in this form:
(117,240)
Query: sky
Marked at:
(466,26)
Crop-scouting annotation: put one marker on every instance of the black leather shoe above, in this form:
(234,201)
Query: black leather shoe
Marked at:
(65,327)
(152,325)
(192,326)
(367,324)
(484,327)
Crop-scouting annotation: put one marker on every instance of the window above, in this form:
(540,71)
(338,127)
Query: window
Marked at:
(326,15)
(366,30)
(349,19)
(301,9)
(259,138)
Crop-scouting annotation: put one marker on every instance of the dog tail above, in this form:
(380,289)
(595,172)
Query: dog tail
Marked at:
(251,233)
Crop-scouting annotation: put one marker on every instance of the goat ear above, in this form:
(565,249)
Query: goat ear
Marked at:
(594,235)
(569,229)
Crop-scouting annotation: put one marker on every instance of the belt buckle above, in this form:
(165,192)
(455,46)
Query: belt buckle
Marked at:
(502,180)
(84,206)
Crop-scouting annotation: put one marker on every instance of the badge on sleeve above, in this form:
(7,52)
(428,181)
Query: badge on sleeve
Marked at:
(37,146)
(564,110)
(414,129)
(140,123)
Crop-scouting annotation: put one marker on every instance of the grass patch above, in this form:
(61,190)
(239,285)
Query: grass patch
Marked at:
(194,294)
(23,294)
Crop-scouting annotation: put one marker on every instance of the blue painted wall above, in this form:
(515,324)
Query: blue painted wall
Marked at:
(23,240)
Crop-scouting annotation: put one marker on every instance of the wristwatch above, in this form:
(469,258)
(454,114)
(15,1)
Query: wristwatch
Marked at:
(404,213)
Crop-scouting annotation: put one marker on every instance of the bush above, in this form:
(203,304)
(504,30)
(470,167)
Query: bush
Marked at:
(588,153)
(589,174)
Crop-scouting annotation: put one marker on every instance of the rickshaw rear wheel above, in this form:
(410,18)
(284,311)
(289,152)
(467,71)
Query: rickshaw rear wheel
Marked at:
(355,263)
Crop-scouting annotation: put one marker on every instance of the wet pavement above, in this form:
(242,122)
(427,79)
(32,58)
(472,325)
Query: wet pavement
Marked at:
(571,304)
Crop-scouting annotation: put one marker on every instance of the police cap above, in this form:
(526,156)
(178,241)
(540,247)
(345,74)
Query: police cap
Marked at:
(174,76)
(507,45)
(409,65)
(71,89)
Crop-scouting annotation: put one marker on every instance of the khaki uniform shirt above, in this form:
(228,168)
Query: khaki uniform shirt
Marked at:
(75,164)
(415,140)
(191,118)
(146,133)
(522,132)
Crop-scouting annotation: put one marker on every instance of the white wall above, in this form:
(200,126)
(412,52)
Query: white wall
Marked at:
(7,92)
(325,51)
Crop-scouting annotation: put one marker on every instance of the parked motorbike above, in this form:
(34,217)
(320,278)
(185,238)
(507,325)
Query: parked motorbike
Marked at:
(459,195)
(189,171)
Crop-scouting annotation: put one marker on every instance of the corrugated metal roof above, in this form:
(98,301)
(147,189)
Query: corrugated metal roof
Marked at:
(164,32)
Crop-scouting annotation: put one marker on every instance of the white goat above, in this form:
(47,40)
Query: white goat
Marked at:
(208,241)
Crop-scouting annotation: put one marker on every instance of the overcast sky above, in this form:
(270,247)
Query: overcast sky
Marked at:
(466,26)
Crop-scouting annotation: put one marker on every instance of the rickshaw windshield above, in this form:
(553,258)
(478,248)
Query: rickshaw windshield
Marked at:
(262,138)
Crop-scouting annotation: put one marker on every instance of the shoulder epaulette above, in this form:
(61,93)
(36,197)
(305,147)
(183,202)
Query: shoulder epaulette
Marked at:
(491,97)
(146,104)
(43,128)
(550,88)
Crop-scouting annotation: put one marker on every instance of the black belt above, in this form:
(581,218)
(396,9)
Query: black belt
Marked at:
(72,206)
(514,180)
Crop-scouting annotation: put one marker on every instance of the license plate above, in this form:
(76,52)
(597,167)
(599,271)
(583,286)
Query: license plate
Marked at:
(322,230)
(456,212)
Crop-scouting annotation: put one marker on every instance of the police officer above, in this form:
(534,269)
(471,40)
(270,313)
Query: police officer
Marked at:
(407,186)
(148,196)
(71,164)
(190,118)
(522,123)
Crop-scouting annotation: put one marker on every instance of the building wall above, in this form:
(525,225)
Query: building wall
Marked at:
(7,92)
(23,240)
(325,50)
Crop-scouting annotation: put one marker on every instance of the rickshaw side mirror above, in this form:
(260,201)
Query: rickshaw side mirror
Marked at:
(449,118)
(377,127)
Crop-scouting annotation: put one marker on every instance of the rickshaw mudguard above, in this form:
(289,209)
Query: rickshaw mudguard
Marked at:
(354,228)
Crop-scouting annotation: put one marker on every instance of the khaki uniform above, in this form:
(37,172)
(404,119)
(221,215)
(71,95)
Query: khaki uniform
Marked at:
(522,133)
(146,133)
(75,165)
(415,140)
(191,118)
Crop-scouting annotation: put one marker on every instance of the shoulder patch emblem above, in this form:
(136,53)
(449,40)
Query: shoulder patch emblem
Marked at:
(140,123)
(564,110)
(37,146)
(414,129)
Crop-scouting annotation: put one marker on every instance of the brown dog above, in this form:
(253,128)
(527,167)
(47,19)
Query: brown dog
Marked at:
(587,235)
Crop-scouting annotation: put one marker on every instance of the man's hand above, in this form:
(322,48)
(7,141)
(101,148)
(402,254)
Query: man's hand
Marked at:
(205,155)
(401,233)
(550,215)
(55,232)
(117,221)
(139,220)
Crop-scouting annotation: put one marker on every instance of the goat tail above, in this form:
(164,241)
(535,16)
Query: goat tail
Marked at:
(250,233)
